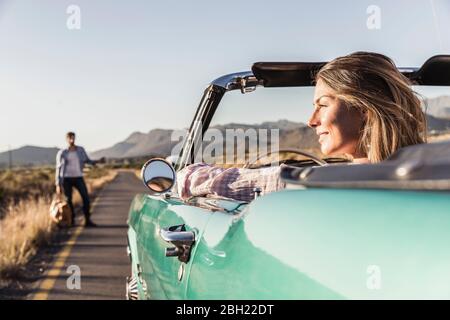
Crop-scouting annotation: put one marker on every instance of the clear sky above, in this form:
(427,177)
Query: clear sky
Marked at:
(138,65)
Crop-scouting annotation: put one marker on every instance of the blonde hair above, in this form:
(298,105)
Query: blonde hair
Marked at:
(371,83)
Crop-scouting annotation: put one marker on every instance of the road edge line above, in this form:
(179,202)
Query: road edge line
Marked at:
(48,282)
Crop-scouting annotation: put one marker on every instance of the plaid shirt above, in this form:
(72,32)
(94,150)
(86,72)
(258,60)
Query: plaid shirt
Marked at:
(201,179)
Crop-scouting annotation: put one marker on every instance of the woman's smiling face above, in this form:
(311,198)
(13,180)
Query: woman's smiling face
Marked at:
(338,126)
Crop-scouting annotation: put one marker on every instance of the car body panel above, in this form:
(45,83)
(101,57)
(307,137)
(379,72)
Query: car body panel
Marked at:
(327,244)
(308,244)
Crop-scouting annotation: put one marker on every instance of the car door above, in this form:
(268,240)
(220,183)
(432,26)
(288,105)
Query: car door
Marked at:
(230,263)
(162,274)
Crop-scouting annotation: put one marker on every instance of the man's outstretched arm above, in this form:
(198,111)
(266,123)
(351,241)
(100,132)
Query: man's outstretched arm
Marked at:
(87,159)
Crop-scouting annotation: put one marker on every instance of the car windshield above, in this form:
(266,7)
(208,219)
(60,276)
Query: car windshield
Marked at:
(247,126)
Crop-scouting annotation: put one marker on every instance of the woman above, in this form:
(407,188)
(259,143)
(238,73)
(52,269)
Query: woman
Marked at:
(364,108)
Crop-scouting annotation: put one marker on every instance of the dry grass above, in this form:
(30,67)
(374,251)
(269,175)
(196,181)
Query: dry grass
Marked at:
(19,184)
(26,226)
(439,138)
(138,173)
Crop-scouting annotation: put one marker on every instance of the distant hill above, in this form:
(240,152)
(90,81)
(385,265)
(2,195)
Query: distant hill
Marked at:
(438,107)
(120,148)
(437,124)
(29,156)
(158,141)
(155,142)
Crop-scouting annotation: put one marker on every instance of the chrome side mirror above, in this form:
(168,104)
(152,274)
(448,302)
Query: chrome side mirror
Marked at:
(158,175)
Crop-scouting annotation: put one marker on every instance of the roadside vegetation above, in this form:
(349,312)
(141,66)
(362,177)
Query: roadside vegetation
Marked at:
(25,224)
(19,184)
(443,136)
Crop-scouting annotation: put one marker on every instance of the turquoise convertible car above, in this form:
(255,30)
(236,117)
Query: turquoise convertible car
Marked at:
(371,231)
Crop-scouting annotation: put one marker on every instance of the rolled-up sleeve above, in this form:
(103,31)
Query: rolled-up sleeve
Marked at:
(236,183)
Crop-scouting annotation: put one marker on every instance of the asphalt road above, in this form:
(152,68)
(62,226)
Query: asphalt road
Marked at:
(99,254)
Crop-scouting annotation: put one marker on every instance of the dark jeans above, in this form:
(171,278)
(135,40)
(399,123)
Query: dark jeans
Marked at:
(78,183)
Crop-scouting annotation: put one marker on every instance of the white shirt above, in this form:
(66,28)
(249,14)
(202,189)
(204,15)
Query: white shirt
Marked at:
(73,169)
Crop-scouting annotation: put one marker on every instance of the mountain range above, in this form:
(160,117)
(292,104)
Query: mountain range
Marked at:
(28,156)
(157,142)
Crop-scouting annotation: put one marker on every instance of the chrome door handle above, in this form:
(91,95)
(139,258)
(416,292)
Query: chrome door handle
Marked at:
(182,240)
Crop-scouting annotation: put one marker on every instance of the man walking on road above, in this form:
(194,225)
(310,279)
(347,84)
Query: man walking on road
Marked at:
(69,174)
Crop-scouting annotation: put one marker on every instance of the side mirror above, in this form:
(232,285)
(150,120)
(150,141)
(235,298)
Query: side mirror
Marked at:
(158,175)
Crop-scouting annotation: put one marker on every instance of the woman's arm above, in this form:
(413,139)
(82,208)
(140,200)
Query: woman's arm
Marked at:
(237,183)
